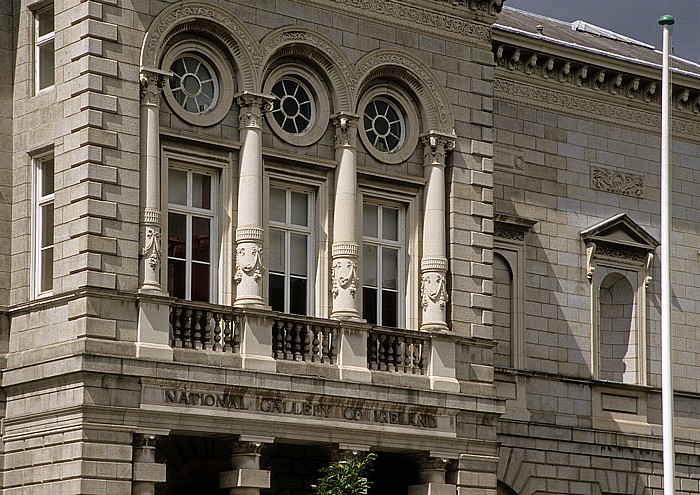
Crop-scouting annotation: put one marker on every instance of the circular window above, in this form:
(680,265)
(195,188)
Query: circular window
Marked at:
(201,88)
(301,109)
(384,125)
(389,124)
(194,84)
(293,109)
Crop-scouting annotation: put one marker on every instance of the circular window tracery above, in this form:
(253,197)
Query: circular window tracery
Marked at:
(389,124)
(301,110)
(194,84)
(294,107)
(384,125)
(201,88)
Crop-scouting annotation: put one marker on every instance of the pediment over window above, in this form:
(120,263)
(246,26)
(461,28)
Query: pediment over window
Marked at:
(619,239)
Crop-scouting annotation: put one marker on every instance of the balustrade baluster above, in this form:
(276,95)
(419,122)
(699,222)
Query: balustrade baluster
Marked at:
(408,353)
(177,335)
(288,338)
(382,352)
(306,343)
(297,341)
(278,339)
(206,334)
(197,335)
(391,354)
(217,331)
(227,332)
(187,329)
(398,353)
(372,351)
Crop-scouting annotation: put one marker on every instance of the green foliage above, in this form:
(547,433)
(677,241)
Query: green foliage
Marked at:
(347,477)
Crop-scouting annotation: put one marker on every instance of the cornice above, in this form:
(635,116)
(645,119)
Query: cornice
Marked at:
(563,101)
(468,20)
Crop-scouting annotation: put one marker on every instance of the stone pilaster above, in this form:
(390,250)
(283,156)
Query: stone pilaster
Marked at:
(145,471)
(249,232)
(152,83)
(246,477)
(345,280)
(434,261)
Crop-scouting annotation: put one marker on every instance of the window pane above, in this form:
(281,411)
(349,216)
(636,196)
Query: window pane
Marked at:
(201,237)
(389,308)
(46,269)
(278,210)
(370,216)
(201,191)
(47,225)
(298,254)
(369,265)
(46,177)
(297,296)
(369,305)
(390,224)
(200,282)
(177,187)
(277,251)
(300,208)
(277,292)
(46,64)
(177,237)
(45,21)
(176,278)
(390,260)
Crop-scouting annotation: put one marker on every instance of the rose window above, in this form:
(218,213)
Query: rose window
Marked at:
(194,84)
(293,109)
(384,125)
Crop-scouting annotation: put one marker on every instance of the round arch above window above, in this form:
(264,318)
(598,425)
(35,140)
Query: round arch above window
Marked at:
(301,110)
(201,88)
(388,125)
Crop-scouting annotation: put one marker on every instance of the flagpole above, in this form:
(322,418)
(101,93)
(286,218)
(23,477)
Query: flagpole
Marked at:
(666,338)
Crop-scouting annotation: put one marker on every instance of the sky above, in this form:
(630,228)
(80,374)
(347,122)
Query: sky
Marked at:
(636,19)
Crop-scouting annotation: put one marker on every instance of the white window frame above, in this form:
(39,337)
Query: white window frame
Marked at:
(39,201)
(39,42)
(400,245)
(190,211)
(289,228)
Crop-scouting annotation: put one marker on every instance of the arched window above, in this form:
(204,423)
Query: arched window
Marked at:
(502,312)
(617,326)
(618,263)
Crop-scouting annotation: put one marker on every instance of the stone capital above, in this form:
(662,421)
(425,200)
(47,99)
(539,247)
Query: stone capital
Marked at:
(152,83)
(345,129)
(435,147)
(253,106)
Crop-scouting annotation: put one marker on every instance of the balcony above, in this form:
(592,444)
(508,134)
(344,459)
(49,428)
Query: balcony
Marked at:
(257,338)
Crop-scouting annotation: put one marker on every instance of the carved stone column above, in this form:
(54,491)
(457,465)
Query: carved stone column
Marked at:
(153,337)
(431,478)
(246,477)
(345,247)
(145,471)
(152,82)
(249,233)
(434,261)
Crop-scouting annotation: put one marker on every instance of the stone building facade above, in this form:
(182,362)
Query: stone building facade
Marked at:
(246,238)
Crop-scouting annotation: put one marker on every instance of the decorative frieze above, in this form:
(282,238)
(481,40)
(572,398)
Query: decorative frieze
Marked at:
(418,18)
(512,235)
(617,182)
(560,101)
